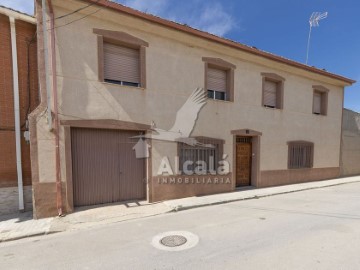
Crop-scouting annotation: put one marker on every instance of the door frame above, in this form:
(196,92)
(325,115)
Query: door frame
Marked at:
(237,163)
(97,124)
(255,148)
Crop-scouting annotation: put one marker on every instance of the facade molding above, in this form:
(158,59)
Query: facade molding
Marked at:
(246,132)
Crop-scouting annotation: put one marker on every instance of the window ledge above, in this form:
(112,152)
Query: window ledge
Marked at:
(274,109)
(123,86)
(300,169)
(219,100)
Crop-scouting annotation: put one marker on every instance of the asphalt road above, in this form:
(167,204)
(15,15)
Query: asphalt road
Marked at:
(316,229)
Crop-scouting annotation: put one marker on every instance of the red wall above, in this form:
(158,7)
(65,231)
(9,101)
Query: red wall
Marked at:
(25,32)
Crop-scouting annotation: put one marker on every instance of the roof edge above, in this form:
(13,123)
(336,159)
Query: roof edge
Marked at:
(18,15)
(350,110)
(189,30)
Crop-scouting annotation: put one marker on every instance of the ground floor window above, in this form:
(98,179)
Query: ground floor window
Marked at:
(207,155)
(301,155)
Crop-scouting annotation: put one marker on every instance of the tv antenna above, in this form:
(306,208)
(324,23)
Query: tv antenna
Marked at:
(314,22)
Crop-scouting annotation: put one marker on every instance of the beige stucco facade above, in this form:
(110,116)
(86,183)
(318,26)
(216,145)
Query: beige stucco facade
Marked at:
(174,68)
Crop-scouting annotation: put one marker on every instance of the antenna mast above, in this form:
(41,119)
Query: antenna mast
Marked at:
(314,22)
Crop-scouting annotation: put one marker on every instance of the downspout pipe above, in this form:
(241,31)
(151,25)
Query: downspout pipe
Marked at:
(17,113)
(46,58)
(56,112)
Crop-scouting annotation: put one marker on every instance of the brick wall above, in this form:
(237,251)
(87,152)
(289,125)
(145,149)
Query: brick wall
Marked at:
(25,32)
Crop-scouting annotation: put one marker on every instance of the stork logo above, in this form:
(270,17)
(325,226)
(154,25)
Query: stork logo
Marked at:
(186,118)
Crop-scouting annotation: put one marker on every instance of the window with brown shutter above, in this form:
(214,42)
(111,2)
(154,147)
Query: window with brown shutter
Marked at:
(301,155)
(121,58)
(219,79)
(217,83)
(121,65)
(270,93)
(317,103)
(273,90)
(320,100)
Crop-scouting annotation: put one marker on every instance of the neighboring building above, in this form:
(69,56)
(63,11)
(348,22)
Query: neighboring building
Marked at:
(18,78)
(121,73)
(350,150)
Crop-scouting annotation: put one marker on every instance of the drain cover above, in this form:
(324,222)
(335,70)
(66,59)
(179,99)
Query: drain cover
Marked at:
(173,240)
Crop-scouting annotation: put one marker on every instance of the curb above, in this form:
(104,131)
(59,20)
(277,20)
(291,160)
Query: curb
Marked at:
(67,230)
(183,208)
(178,208)
(28,236)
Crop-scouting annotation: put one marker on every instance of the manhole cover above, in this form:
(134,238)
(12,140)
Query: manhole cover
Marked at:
(173,240)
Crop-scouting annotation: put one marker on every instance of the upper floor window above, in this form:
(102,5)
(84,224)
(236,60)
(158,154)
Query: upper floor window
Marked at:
(217,83)
(121,58)
(121,65)
(219,79)
(273,91)
(320,100)
(301,155)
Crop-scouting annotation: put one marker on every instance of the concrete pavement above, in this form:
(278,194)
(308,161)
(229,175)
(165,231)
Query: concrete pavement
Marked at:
(313,229)
(19,226)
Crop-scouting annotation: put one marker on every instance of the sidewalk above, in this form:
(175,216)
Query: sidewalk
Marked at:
(253,193)
(22,225)
(13,227)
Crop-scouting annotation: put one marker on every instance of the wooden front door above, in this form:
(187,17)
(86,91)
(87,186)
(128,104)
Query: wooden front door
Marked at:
(243,161)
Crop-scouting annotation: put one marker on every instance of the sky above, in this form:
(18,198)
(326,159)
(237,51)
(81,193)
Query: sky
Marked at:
(278,26)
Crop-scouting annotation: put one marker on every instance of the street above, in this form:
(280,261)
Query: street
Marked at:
(315,229)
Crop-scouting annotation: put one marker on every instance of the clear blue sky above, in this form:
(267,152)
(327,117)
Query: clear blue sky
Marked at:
(277,26)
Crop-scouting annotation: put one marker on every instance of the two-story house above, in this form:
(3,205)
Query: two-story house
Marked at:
(123,83)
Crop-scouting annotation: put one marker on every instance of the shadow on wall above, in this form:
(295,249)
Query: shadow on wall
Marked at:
(81,95)
(351,121)
(350,155)
(72,88)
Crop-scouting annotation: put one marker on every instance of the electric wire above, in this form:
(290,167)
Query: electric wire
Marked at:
(75,11)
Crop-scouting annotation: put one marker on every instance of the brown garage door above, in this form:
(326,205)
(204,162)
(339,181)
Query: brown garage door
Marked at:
(105,168)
